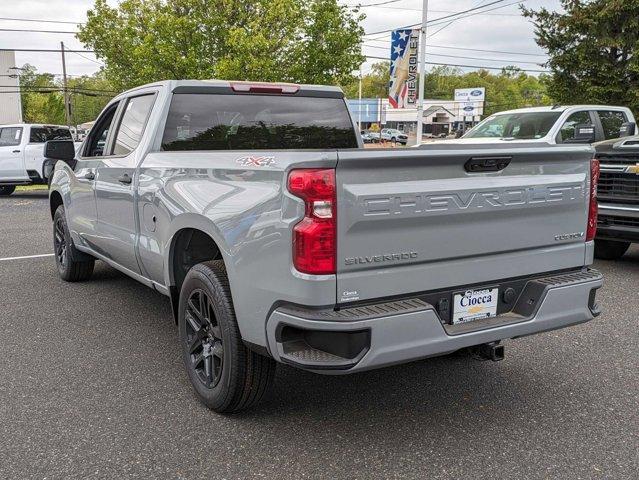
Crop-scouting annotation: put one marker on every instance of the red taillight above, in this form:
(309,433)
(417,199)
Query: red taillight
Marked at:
(315,237)
(593,208)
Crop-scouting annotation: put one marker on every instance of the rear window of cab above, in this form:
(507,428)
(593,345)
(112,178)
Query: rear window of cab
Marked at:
(199,121)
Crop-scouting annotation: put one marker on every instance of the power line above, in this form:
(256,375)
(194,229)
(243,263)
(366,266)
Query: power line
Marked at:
(35,87)
(431,45)
(44,50)
(444,17)
(35,31)
(376,4)
(432,22)
(467,66)
(449,24)
(452,11)
(466,57)
(89,59)
(88,94)
(39,21)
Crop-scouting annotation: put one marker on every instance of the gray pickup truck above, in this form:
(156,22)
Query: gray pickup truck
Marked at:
(279,238)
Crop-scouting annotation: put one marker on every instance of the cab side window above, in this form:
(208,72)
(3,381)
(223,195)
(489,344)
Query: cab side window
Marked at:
(568,128)
(611,122)
(131,127)
(96,144)
(10,136)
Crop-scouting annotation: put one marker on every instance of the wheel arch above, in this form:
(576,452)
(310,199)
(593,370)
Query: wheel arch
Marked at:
(55,200)
(188,246)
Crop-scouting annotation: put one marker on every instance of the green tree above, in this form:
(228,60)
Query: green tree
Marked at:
(141,41)
(374,83)
(89,95)
(41,99)
(593,47)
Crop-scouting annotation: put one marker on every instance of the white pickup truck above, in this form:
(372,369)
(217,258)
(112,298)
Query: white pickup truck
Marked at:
(22,159)
(557,125)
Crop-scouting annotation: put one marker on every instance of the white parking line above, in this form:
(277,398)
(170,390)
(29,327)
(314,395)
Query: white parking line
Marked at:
(6,259)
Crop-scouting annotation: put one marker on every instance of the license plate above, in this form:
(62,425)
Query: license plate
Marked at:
(474,305)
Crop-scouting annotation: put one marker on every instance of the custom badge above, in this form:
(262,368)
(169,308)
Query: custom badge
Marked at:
(256,161)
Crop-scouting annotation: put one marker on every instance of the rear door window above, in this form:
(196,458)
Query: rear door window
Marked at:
(257,122)
(568,128)
(131,127)
(44,134)
(611,122)
(10,136)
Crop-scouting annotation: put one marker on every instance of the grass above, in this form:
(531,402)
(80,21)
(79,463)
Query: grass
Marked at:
(30,188)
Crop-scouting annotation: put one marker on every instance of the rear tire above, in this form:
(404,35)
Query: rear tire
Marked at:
(610,249)
(6,190)
(226,376)
(65,253)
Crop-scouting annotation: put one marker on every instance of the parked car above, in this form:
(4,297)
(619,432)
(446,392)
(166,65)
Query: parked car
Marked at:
(370,137)
(394,135)
(22,159)
(555,125)
(618,196)
(278,238)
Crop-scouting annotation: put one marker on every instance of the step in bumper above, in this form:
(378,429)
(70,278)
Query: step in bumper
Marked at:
(387,333)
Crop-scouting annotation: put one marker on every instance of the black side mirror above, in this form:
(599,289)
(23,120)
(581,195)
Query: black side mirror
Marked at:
(627,129)
(584,133)
(60,150)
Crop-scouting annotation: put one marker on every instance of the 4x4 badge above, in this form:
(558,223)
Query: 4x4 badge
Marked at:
(256,161)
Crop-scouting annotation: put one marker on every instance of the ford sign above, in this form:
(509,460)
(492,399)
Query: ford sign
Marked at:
(469,109)
(476,93)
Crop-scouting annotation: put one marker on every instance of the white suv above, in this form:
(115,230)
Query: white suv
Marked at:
(394,135)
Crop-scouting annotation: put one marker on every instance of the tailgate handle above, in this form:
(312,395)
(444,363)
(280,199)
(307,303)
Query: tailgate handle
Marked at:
(487,164)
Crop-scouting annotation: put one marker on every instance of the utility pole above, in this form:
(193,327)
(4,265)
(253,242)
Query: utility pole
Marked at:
(67,112)
(359,106)
(422,71)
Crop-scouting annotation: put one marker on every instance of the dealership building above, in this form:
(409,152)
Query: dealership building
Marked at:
(440,116)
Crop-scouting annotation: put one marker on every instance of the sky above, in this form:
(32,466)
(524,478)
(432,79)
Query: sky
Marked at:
(502,29)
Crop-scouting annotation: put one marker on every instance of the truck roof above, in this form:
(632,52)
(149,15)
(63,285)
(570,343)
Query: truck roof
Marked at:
(196,84)
(560,108)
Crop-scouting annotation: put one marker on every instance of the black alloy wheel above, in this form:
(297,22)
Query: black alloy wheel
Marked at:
(226,375)
(60,242)
(72,265)
(204,339)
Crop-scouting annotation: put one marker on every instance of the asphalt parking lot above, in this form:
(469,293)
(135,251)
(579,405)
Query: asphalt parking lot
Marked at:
(92,386)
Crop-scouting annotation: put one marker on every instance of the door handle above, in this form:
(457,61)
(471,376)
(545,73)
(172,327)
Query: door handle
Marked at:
(90,176)
(16,151)
(126,179)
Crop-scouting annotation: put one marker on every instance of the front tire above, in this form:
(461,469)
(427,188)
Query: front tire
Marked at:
(610,249)
(66,255)
(226,376)
(6,190)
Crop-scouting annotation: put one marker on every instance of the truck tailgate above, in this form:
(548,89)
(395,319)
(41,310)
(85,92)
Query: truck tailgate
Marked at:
(417,220)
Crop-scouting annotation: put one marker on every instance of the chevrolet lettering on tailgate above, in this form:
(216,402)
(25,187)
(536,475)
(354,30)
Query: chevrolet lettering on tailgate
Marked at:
(421,203)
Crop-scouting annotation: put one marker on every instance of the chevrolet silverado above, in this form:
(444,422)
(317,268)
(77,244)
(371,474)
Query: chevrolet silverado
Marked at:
(278,238)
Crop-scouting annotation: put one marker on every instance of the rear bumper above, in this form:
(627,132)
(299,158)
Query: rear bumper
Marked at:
(400,331)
